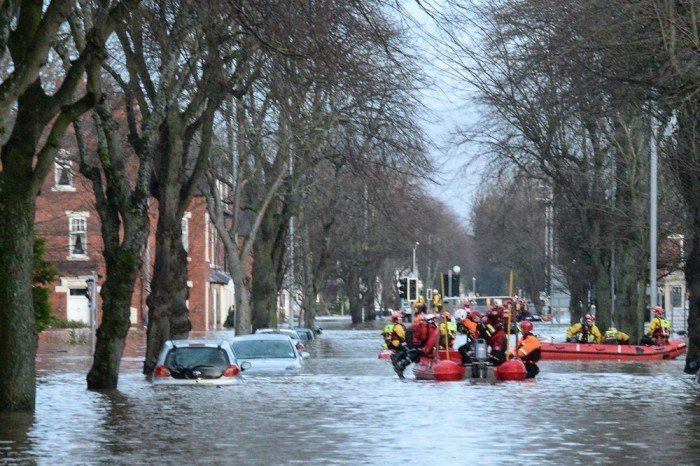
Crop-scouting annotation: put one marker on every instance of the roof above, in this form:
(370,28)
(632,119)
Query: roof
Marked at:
(219,277)
(264,336)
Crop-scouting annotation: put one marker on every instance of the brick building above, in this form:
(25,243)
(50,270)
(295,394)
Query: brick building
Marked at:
(66,217)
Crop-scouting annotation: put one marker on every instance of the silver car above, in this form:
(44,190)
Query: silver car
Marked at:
(197,362)
(268,352)
(296,339)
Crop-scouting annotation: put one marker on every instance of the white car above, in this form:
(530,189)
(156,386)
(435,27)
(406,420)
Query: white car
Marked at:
(197,362)
(296,339)
(268,352)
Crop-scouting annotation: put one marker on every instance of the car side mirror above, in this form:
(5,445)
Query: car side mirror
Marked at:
(245,365)
(304,354)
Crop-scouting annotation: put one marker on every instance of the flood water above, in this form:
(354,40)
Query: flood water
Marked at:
(348,407)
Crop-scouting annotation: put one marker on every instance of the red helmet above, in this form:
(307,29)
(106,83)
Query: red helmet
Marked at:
(495,318)
(447,316)
(659,311)
(467,303)
(396,316)
(526,327)
(475,316)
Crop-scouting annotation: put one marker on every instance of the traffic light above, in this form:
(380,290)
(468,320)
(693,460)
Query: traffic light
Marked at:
(413,289)
(453,291)
(402,286)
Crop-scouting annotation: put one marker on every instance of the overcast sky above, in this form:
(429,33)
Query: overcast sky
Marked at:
(447,108)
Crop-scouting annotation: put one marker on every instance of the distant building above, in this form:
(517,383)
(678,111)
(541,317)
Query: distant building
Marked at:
(66,217)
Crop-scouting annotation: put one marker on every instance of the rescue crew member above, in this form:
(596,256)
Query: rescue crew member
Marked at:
(473,328)
(448,331)
(420,306)
(528,350)
(395,333)
(615,337)
(659,329)
(496,336)
(425,334)
(437,302)
(585,332)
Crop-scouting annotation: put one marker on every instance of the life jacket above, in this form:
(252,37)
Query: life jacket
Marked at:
(610,337)
(471,329)
(387,331)
(662,332)
(585,335)
(532,344)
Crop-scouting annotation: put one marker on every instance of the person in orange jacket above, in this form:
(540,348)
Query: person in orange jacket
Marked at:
(472,327)
(528,350)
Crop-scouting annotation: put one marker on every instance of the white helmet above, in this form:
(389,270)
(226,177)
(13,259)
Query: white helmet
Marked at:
(460,314)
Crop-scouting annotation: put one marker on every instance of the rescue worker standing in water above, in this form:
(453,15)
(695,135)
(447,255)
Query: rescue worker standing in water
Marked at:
(528,350)
(585,332)
(659,329)
(437,302)
(420,306)
(425,334)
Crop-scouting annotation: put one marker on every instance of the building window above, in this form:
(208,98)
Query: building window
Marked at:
(78,236)
(676,297)
(186,233)
(63,172)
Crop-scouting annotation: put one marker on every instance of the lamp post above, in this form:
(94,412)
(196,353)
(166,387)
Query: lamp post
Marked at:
(413,270)
(454,270)
(474,286)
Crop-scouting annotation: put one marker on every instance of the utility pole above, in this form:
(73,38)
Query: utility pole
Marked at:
(652,219)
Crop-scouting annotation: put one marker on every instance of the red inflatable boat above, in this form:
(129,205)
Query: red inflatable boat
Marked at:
(442,370)
(586,351)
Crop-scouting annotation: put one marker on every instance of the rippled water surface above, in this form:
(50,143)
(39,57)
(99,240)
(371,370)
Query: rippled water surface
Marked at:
(348,407)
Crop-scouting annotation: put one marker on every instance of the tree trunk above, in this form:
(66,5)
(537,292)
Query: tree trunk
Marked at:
(264,292)
(242,284)
(354,299)
(122,268)
(18,338)
(168,316)
(692,275)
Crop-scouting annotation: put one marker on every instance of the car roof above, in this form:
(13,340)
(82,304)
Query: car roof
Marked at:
(198,342)
(264,336)
(287,331)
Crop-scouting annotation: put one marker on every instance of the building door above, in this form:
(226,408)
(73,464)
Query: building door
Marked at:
(78,305)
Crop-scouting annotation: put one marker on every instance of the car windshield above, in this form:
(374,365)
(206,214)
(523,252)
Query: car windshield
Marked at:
(190,357)
(284,331)
(263,349)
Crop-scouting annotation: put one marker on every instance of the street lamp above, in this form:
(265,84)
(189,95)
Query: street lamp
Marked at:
(413,270)
(455,270)
(474,286)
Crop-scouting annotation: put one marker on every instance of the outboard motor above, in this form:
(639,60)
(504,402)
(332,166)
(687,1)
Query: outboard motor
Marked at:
(480,360)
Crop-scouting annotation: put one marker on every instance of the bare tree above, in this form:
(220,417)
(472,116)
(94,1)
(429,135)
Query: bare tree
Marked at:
(34,116)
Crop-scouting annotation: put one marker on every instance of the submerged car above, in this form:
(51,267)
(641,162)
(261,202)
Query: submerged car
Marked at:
(197,362)
(305,334)
(268,352)
(296,339)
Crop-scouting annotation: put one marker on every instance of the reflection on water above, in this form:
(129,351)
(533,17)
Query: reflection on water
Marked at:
(348,407)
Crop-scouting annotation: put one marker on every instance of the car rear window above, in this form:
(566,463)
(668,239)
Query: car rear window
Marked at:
(263,349)
(193,356)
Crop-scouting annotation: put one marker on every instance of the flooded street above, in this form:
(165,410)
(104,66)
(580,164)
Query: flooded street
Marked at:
(348,407)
